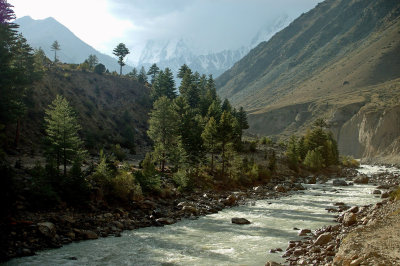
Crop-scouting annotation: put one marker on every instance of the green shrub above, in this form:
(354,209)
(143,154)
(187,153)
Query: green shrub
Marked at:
(314,160)
(125,188)
(42,193)
(349,161)
(395,195)
(253,146)
(148,178)
(119,152)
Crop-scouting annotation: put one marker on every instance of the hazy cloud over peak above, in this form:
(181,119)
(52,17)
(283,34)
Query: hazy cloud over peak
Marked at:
(210,24)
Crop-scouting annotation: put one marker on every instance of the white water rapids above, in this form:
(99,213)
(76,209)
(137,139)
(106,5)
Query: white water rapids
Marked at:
(213,239)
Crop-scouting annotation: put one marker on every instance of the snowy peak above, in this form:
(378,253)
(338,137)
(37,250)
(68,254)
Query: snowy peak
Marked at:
(176,52)
(269,30)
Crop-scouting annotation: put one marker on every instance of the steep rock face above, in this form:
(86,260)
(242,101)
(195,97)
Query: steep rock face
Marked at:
(372,133)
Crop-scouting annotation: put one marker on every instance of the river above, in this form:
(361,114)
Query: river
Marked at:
(213,239)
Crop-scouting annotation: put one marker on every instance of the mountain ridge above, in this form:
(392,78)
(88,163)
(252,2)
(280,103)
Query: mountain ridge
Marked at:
(42,33)
(341,53)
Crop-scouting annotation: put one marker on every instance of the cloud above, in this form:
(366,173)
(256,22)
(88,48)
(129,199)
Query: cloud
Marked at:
(211,24)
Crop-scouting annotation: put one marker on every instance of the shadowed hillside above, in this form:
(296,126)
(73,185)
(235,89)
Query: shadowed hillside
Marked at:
(110,109)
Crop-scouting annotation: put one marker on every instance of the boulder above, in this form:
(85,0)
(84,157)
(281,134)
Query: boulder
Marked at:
(304,232)
(385,195)
(354,209)
(323,239)
(272,263)
(377,192)
(87,234)
(339,182)
(349,219)
(280,188)
(298,251)
(236,220)
(231,200)
(189,209)
(311,180)
(47,229)
(361,179)
(165,220)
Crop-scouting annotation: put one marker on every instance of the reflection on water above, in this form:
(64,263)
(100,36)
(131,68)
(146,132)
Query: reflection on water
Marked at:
(213,239)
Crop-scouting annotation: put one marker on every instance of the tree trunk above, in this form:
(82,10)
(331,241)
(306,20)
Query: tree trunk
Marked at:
(120,70)
(223,159)
(212,163)
(16,141)
(65,163)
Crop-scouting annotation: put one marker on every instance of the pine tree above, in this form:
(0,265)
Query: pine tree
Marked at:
(292,153)
(121,51)
(210,136)
(226,106)
(163,130)
(133,74)
(189,130)
(64,143)
(55,47)
(142,77)
(153,71)
(92,61)
(225,134)
(183,70)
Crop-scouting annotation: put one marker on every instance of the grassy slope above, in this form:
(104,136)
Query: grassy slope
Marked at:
(338,53)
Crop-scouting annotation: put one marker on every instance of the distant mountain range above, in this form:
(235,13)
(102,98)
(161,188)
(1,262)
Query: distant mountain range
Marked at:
(169,53)
(341,62)
(176,52)
(42,33)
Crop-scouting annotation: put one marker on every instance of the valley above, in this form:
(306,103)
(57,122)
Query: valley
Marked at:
(284,150)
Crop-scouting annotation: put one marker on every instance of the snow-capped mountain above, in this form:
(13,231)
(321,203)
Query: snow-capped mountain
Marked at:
(176,52)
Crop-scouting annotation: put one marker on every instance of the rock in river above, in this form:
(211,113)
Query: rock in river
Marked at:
(47,229)
(339,182)
(323,239)
(236,220)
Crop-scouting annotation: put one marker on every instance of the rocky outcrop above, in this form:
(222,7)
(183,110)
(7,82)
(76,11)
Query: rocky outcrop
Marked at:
(372,133)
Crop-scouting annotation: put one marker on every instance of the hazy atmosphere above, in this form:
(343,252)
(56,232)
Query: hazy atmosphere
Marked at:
(208,25)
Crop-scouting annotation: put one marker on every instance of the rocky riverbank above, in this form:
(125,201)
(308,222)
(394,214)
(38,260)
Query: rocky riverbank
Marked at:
(26,232)
(363,235)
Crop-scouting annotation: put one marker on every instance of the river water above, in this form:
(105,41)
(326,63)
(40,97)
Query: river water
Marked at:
(213,239)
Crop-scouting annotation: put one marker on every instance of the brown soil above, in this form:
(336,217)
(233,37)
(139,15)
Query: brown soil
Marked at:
(377,243)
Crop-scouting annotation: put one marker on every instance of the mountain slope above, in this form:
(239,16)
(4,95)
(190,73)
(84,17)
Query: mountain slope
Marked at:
(42,33)
(342,57)
(110,109)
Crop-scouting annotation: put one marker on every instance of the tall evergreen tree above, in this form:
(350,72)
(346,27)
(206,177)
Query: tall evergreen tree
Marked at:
(153,71)
(55,47)
(183,70)
(189,130)
(62,128)
(163,130)
(142,77)
(133,74)
(225,131)
(92,61)
(121,51)
(210,136)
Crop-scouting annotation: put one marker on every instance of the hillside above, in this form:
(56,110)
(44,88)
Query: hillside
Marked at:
(42,33)
(110,109)
(340,61)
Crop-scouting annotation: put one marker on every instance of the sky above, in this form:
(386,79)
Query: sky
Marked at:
(210,25)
